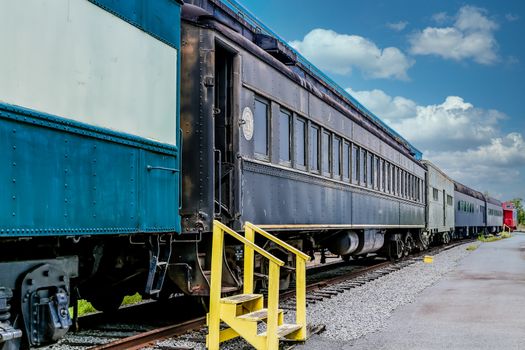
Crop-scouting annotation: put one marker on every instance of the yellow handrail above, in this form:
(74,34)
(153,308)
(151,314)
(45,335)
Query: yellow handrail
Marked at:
(252,245)
(300,274)
(277,241)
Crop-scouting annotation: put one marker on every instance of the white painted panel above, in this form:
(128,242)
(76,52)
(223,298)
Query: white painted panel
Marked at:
(73,59)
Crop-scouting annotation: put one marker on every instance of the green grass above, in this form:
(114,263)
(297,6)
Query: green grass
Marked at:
(472,247)
(85,307)
(492,238)
(132,299)
(505,235)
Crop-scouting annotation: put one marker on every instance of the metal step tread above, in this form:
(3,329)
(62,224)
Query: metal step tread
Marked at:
(240,298)
(258,315)
(284,329)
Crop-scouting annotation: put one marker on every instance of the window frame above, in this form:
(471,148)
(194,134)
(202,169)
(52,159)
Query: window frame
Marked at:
(289,114)
(257,155)
(335,139)
(313,126)
(304,121)
(326,153)
(348,147)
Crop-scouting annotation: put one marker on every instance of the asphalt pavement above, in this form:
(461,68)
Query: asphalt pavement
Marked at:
(479,305)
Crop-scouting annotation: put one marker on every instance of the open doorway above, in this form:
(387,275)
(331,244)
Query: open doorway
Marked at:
(223,118)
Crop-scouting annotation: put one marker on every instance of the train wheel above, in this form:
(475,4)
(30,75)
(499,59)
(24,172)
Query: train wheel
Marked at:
(397,248)
(446,238)
(409,244)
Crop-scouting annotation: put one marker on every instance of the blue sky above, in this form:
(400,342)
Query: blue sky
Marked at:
(448,75)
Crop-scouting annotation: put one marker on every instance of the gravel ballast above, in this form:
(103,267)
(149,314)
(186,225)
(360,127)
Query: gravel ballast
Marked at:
(365,309)
(360,310)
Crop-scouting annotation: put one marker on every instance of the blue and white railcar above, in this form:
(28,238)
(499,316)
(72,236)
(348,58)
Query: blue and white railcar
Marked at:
(89,156)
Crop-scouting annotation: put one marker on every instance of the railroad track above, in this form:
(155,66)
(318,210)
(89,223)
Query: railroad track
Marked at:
(327,283)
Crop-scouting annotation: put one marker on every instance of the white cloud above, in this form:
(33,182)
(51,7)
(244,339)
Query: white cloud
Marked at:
(446,126)
(464,140)
(385,106)
(470,37)
(340,53)
(511,17)
(397,26)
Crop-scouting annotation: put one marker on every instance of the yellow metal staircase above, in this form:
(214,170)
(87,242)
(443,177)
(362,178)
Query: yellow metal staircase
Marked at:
(243,312)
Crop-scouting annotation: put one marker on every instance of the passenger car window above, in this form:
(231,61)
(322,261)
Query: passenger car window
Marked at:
(326,153)
(261,127)
(336,152)
(362,167)
(346,161)
(355,164)
(314,148)
(284,136)
(299,142)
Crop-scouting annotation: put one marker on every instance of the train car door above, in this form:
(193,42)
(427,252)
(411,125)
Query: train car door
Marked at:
(223,117)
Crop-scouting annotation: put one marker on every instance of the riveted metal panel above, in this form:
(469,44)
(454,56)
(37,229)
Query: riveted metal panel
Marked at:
(197,103)
(159,18)
(277,196)
(369,209)
(265,79)
(410,214)
(329,117)
(73,180)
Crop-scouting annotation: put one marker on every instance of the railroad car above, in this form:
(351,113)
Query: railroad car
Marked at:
(270,140)
(510,215)
(89,157)
(439,204)
(471,214)
(494,215)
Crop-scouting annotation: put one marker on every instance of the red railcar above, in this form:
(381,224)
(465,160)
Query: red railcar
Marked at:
(510,215)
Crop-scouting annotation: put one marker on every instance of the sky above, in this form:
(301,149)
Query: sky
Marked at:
(449,76)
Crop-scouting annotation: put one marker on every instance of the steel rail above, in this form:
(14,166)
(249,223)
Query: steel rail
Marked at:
(148,338)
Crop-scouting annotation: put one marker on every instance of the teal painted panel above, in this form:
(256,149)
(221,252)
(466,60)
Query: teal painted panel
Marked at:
(64,181)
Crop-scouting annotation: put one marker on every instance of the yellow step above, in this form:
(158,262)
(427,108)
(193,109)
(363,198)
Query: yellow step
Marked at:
(258,315)
(240,298)
(284,329)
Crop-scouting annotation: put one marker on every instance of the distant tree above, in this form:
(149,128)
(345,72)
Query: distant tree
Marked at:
(518,203)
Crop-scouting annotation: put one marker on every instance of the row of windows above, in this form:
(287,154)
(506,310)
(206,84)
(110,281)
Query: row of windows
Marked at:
(309,147)
(495,212)
(467,207)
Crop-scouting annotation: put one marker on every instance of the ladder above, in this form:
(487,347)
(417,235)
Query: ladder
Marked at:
(243,312)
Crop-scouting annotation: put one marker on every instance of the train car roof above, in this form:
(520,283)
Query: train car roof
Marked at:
(240,12)
(493,200)
(428,163)
(468,191)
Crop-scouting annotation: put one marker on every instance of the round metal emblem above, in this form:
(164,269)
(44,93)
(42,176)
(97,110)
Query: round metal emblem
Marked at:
(247,123)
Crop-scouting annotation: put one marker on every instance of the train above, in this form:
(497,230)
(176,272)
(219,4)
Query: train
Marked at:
(127,127)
